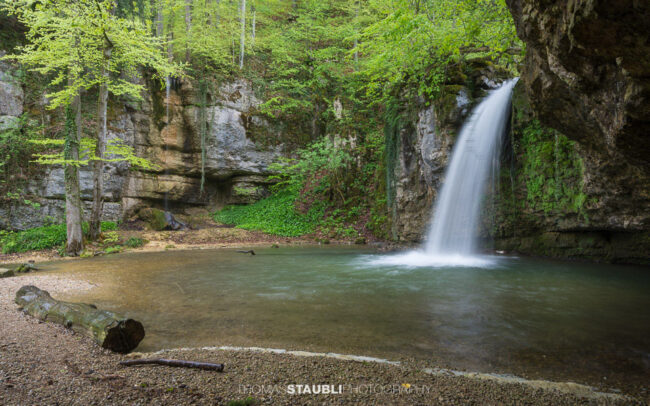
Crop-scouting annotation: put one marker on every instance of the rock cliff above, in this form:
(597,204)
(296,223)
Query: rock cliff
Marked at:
(586,76)
(420,138)
(165,128)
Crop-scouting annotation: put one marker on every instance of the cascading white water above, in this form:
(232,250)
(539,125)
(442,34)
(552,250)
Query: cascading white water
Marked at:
(451,241)
(473,159)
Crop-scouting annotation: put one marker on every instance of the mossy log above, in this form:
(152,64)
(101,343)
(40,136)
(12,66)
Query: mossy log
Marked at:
(108,329)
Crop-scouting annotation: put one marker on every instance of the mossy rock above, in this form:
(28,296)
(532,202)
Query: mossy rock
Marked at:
(6,273)
(26,267)
(154,218)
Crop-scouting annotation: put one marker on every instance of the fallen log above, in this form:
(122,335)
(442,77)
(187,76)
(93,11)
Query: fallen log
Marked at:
(110,330)
(174,363)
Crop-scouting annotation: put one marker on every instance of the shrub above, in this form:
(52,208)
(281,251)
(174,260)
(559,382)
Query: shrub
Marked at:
(276,214)
(135,242)
(41,238)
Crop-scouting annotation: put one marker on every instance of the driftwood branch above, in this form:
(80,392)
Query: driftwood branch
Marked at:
(110,330)
(470,49)
(174,363)
(246,252)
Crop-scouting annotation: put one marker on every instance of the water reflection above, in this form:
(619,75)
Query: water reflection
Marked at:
(531,317)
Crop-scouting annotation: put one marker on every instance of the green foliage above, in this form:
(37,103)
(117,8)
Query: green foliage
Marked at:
(323,164)
(330,74)
(66,40)
(116,151)
(135,242)
(249,401)
(275,215)
(15,154)
(323,190)
(110,238)
(40,238)
(413,41)
(552,170)
(114,249)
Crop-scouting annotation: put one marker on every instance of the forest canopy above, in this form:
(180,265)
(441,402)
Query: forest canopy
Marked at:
(331,69)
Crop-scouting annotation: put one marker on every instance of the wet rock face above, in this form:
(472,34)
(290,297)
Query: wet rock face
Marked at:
(587,71)
(425,142)
(587,75)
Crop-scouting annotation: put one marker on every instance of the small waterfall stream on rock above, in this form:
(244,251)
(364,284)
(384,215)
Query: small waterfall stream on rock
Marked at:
(168,86)
(452,238)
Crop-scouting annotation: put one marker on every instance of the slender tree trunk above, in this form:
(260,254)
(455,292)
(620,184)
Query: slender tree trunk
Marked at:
(159,20)
(73,209)
(356,34)
(217,16)
(98,169)
(170,37)
(208,13)
(253,26)
(242,37)
(188,28)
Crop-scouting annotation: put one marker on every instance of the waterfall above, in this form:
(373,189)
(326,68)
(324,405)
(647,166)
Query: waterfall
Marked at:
(474,161)
(168,86)
(452,239)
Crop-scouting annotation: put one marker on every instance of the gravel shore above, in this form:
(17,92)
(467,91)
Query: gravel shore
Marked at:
(43,363)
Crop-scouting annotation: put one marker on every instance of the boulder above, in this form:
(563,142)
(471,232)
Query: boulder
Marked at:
(160,220)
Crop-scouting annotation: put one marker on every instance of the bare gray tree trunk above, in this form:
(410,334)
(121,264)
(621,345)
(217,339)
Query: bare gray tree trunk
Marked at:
(94,229)
(253,25)
(208,13)
(73,210)
(188,28)
(242,37)
(159,20)
(217,16)
(356,34)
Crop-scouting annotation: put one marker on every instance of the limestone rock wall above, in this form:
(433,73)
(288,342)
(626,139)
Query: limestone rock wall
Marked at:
(11,96)
(423,142)
(167,132)
(587,75)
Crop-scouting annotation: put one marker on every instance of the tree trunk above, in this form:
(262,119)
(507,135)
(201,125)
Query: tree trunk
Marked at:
(253,26)
(98,169)
(208,14)
(217,16)
(242,37)
(110,330)
(159,20)
(356,35)
(73,210)
(170,36)
(188,28)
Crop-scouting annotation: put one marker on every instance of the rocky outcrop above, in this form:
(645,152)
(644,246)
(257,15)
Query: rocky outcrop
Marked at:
(11,96)
(587,75)
(166,131)
(587,71)
(544,205)
(421,140)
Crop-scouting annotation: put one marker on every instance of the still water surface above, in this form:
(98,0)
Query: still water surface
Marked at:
(532,317)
